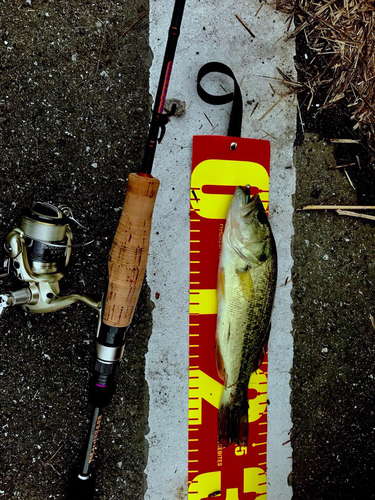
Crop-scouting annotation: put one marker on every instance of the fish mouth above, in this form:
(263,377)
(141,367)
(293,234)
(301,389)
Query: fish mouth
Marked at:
(248,203)
(249,207)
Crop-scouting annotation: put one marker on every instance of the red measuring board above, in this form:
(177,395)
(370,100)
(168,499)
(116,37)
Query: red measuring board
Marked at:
(220,164)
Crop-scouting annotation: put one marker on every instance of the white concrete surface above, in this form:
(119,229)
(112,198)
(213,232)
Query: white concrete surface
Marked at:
(211,31)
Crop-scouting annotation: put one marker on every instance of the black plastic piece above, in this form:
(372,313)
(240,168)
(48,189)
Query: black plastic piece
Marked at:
(112,336)
(44,212)
(102,387)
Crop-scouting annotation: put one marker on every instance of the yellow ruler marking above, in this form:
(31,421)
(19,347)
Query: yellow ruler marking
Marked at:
(259,444)
(207,302)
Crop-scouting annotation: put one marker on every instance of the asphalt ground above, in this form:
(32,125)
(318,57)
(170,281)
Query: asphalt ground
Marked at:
(333,294)
(75,109)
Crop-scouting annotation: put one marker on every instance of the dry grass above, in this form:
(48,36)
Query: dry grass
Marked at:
(340,34)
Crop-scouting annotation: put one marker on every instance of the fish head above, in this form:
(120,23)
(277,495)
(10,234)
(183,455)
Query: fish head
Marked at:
(249,231)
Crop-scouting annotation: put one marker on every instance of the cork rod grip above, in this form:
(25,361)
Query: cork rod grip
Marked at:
(128,256)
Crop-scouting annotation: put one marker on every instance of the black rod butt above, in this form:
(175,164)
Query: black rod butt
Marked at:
(81,488)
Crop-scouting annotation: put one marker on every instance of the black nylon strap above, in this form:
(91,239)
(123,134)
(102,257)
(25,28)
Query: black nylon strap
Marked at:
(235,121)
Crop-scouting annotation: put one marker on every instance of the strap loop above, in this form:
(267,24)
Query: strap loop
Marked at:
(235,121)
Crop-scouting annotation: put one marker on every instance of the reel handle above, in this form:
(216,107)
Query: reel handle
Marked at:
(129,252)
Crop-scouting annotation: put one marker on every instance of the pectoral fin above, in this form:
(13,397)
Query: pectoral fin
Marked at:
(246,283)
(221,282)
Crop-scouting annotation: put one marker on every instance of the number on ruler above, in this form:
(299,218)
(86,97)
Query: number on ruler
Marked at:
(209,483)
(202,386)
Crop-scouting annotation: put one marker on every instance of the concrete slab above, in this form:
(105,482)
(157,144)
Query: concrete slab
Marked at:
(211,31)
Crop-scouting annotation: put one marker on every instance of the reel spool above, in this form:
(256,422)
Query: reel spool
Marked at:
(38,253)
(40,249)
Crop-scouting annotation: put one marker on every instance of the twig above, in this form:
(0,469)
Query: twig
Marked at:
(209,121)
(257,12)
(269,135)
(345,141)
(349,179)
(54,468)
(144,14)
(354,214)
(49,461)
(271,108)
(344,166)
(53,456)
(337,207)
(245,26)
(255,107)
(289,280)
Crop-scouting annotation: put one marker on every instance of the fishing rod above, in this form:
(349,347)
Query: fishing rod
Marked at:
(126,269)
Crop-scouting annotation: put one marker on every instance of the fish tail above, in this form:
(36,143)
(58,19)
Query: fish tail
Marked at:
(233,423)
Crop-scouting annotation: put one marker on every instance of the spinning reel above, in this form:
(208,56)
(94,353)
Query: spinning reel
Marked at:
(38,253)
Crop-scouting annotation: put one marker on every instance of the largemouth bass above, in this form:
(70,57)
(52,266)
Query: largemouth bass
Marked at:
(246,289)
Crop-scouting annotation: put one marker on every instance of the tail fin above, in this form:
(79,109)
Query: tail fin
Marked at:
(233,423)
